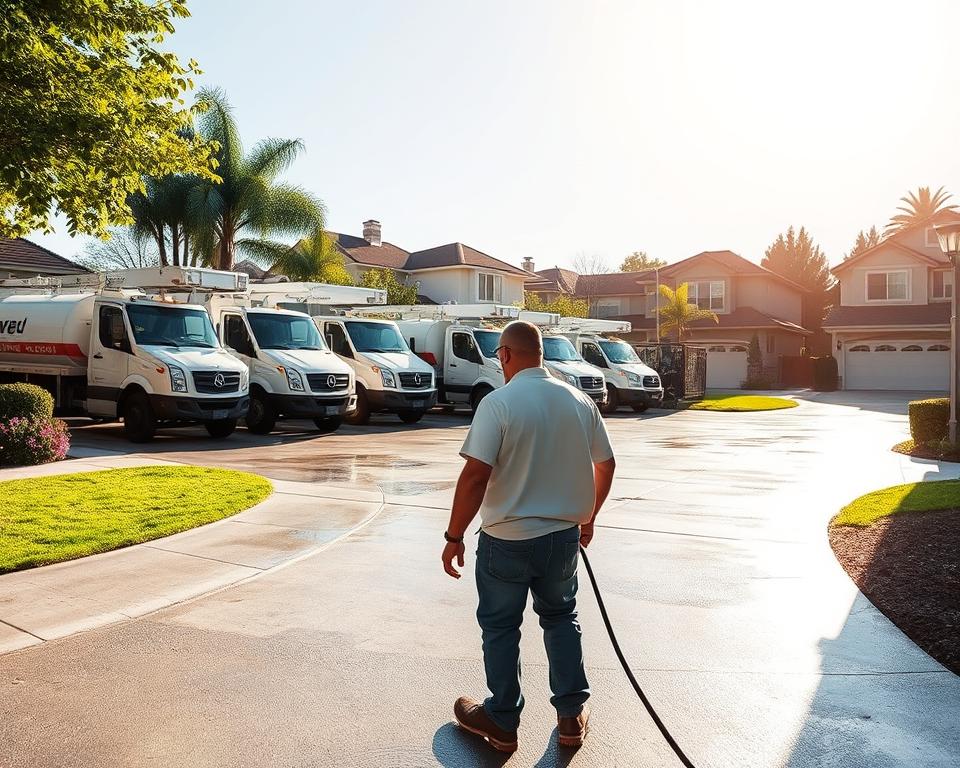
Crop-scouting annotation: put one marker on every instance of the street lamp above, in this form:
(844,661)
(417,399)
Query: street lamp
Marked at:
(949,237)
(656,295)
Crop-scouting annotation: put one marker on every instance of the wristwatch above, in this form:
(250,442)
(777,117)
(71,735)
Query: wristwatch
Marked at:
(452,539)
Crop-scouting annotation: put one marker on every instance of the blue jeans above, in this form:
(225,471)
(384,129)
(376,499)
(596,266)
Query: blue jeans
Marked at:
(506,571)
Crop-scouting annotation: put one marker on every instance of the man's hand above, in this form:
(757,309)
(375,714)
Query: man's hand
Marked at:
(586,534)
(449,552)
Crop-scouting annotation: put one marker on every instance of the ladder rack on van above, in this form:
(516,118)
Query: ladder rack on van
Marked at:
(156,278)
(272,294)
(442,312)
(591,325)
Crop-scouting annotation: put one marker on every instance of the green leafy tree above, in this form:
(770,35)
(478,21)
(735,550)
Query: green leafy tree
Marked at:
(796,257)
(248,206)
(918,207)
(89,104)
(677,313)
(864,242)
(638,261)
(565,306)
(398,293)
(313,259)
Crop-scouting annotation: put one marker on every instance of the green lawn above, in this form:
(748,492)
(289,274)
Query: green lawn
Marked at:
(911,497)
(61,517)
(740,403)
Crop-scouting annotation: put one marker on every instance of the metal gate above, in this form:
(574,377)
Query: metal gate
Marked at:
(682,368)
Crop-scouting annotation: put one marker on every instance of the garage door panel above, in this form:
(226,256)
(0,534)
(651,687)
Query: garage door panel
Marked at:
(915,365)
(726,368)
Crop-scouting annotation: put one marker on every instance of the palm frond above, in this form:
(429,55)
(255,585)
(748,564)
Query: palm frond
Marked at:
(293,211)
(216,123)
(264,253)
(272,157)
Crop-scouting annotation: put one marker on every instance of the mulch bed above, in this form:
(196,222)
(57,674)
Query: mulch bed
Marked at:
(910,448)
(908,565)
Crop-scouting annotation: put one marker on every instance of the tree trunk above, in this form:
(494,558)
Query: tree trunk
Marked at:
(162,246)
(175,243)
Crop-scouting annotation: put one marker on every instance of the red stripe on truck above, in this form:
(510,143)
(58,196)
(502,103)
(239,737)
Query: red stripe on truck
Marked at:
(42,348)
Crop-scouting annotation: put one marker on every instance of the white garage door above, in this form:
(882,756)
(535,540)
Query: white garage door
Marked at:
(726,366)
(913,365)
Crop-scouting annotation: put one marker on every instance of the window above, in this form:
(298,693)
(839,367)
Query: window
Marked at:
(860,348)
(235,335)
(275,330)
(592,354)
(464,347)
(938,348)
(942,284)
(885,348)
(716,349)
(113,335)
(738,348)
(171,326)
(608,307)
(912,348)
(491,287)
(707,294)
(376,337)
(771,343)
(888,286)
(338,339)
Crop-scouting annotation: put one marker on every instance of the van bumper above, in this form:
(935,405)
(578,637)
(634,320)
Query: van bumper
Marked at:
(393,401)
(171,408)
(640,396)
(598,397)
(311,406)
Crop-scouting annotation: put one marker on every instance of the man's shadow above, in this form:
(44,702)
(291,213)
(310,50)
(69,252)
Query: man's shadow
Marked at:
(455,748)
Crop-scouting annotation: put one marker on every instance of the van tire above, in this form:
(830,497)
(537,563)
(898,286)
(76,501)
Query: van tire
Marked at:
(640,408)
(328,424)
(613,400)
(262,416)
(477,395)
(410,417)
(220,428)
(361,415)
(139,423)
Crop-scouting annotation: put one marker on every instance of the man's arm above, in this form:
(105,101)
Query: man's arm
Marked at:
(602,480)
(471,487)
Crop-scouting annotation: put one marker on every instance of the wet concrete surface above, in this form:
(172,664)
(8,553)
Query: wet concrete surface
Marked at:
(712,554)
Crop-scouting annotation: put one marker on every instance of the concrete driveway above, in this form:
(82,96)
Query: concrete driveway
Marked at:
(748,637)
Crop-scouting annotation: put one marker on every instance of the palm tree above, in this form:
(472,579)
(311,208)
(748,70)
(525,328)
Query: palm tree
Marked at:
(678,313)
(918,207)
(314,258)
(161,212)
(248,206)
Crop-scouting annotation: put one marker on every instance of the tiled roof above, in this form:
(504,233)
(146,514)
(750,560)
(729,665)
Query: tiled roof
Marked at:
(252,270)
(18,254)
(556,279)
(878,316)
(932,256)
(362,252)
(455,254)
(733,262)
(617,283)
(740,318)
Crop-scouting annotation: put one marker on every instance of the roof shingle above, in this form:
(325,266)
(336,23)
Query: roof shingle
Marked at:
(18,254)
(742,318)
(878,316)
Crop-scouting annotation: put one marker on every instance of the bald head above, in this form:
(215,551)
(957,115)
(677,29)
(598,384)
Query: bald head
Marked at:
(521,346)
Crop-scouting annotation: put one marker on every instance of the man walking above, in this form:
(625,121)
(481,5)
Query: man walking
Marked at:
(538,468)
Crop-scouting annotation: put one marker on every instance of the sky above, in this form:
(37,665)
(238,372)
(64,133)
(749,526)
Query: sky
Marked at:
(558,128)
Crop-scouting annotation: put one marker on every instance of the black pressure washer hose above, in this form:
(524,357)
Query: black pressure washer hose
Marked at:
(626,668)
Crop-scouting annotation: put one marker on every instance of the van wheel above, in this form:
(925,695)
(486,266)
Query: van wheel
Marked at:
(360,416)
(262,417)
(328,424)
(640,408)
(613,400)
(139,423)
(221,427)
(410,417)
(477,396)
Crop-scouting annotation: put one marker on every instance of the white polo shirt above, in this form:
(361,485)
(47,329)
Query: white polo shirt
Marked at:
(542,438)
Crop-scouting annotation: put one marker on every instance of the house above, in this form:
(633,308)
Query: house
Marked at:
(891,328)
(22,258)
(746,298)
(447,273)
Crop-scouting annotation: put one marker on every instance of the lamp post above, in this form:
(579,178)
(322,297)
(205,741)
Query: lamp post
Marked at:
(949,237)
(656,294)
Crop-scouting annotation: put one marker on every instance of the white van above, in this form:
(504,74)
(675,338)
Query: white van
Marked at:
(106,349)
(629,381)
(389,377)
(564,362)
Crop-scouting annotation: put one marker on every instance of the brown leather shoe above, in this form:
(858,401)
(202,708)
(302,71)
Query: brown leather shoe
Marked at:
(471,716)
(571,731)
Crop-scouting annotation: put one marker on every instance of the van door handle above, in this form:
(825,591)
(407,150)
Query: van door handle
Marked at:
(453,365)
(98,356)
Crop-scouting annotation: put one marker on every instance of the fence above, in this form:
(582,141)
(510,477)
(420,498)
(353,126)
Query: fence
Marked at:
(682,369)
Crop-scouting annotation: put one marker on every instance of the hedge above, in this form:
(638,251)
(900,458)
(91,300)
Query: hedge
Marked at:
(26,442)
(928,419)
(825,377)
(26,401)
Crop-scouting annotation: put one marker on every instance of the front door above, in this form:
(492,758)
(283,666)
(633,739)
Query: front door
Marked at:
(462,366)
(109,359)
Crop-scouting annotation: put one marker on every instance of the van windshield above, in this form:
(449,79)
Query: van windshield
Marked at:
(278,331)
(376,337)
(487,341)
(171,326)
(559,349)
(619,352)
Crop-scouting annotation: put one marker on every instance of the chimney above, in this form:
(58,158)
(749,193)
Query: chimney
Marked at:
(371,232)
(528,264)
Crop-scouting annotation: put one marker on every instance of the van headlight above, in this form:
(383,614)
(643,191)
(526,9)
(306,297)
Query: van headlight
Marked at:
(571,380)
(294,380)
(244,378)
(178,379)
(388,378)
(635,379)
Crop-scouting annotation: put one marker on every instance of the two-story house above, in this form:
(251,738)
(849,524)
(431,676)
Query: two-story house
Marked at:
(446,273)
(746,298)
(891,328)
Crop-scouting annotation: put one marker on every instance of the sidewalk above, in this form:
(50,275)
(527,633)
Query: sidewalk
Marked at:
(54,601)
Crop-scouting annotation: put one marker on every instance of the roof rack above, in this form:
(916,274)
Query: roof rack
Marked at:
(442,312)
(159,278)
(271,294)
(592,325)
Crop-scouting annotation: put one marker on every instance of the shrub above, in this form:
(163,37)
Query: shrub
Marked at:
(27,401)
(825,376)
(32,441)
(928,419)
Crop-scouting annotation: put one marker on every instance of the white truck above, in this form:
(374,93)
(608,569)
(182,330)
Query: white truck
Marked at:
(629,381)
(293,374)
(104,348)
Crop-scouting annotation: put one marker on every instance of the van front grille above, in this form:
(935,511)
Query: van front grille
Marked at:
(216,382)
